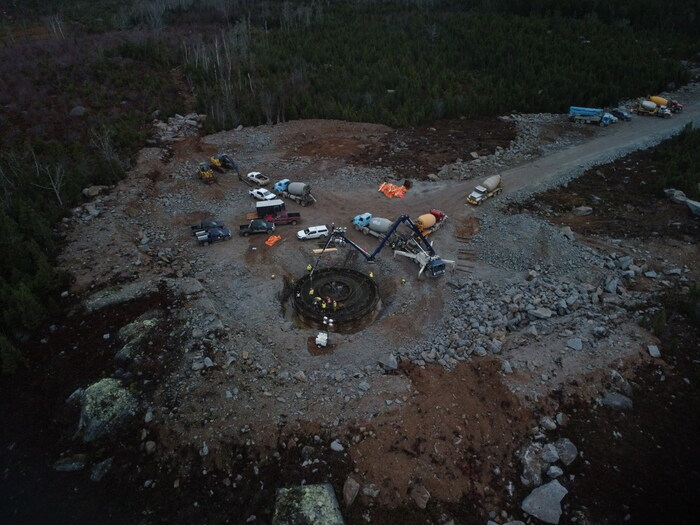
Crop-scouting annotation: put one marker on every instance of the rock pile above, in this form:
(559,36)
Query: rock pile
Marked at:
(177,127)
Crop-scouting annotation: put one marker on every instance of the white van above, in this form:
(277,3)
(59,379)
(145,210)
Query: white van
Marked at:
(313,232)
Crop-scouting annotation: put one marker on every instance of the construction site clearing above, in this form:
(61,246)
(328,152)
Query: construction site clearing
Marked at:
(420,390)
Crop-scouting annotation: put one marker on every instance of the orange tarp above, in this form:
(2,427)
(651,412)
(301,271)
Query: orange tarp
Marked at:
(272,239)
(391,190)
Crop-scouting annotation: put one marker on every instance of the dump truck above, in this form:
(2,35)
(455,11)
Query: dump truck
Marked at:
(649,108)
(487,189)
(299,192)
(590,116)
(370,225)
(673,105)
(256,226)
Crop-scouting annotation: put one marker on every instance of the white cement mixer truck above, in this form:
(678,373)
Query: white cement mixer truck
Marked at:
(487,189)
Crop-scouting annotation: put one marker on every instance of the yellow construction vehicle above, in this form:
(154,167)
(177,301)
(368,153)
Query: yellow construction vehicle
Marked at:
(205,172)
(223,161)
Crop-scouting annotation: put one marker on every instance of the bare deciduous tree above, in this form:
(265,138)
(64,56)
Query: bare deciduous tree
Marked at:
(55,177)
(55,24)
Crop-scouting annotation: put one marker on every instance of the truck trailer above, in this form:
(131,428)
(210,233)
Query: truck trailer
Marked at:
(590,116)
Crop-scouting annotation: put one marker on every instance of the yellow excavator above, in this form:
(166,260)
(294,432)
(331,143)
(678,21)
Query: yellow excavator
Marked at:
(223,161)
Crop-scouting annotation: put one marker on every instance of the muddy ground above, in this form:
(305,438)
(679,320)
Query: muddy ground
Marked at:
(455,431)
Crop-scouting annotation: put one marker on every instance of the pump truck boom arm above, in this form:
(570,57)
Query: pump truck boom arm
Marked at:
(427,257)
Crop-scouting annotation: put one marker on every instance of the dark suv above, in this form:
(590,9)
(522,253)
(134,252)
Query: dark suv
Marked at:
(622,114)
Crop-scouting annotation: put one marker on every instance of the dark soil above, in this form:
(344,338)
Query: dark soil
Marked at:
(418,152)
(642,465)
(625,201)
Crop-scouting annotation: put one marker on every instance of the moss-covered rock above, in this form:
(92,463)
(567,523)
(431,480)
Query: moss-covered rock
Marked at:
(106,406)
(307,505)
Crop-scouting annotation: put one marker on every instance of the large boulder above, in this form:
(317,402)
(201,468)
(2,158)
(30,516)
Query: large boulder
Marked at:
(694,207)
(106,406)
(676,196)
(308,505)
(544,503)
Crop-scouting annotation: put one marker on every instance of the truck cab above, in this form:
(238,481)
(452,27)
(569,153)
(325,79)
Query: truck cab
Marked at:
(282,185)
(476,196)
(362,220)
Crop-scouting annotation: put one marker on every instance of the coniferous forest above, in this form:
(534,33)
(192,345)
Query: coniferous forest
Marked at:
(396,62)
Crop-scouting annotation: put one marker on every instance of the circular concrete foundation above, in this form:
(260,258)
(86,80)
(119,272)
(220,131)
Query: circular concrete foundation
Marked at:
(348,297)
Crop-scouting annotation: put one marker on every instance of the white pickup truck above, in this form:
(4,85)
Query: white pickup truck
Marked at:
(257,178)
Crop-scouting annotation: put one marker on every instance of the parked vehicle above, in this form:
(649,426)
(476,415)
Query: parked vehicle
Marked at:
(256,226)
(649,108)
(262,194)
(222,161)
(273,207)
(284,217)
(487,189)
(590,116)
(430,222)
(257,178)
(299,192)
(313,232)
(673,105)
(205,172)
(370,225)
(622,114)
(214,235)
(206,225)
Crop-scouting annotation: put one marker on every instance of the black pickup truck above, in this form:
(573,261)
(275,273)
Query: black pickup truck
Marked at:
(206,225)
(256,226)
(205,237)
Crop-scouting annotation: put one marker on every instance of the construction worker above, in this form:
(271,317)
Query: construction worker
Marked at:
(309,268)
(311,291)
(335,305)
(323,305)
(403,281)
(371,275)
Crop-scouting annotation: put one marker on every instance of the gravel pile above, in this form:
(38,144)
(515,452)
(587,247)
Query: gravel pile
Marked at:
(521,242)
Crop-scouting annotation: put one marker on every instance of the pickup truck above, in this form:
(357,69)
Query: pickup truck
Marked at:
(257,178)
(256,226)
(206,226)
(284,217)
(205,237)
